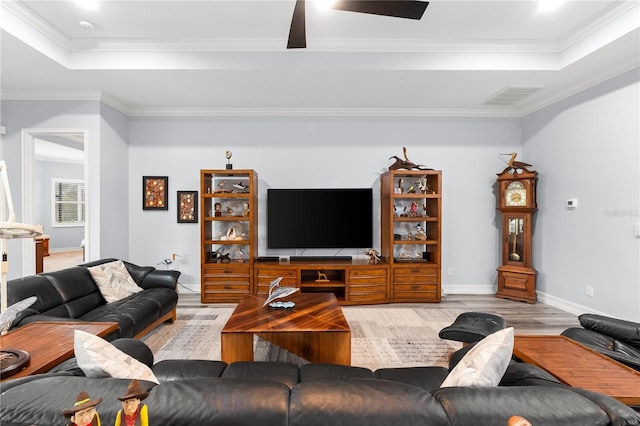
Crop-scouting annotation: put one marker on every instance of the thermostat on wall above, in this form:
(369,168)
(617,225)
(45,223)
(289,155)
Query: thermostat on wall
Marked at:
(572,203)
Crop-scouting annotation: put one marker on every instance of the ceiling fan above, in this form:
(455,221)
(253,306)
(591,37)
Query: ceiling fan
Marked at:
(409,9)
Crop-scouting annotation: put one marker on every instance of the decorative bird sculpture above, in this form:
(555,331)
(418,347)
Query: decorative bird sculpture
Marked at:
(171,262)
(516,165)
(406,163)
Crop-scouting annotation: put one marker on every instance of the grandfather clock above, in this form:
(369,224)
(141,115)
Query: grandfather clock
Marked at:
(517,203)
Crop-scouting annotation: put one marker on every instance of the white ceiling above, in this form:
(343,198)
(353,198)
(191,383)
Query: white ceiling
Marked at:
(229,57)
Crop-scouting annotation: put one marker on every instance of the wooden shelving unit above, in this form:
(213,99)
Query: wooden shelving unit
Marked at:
(229,234)
(411,229)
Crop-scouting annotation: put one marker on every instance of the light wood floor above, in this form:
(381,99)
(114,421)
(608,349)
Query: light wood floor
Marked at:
(61,259)
(524,317)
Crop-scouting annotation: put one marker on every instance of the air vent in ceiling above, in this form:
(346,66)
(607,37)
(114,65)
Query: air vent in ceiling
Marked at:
(511,95)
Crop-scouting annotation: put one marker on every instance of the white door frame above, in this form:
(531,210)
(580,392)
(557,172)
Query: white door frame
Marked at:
(29,136)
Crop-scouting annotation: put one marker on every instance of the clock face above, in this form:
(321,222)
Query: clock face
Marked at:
(515,195)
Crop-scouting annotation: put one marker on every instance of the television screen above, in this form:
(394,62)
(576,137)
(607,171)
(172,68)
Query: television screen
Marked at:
(320,218)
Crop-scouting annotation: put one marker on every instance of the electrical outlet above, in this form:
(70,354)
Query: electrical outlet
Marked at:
(449,270)
(589,291)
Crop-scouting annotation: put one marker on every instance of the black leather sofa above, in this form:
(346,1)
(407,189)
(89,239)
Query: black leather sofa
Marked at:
(71,294)
(281,394)
(618,339)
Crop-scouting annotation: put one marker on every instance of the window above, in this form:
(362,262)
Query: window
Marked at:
(68,202)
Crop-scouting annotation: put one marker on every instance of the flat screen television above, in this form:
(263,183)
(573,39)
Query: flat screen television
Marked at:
(319,218)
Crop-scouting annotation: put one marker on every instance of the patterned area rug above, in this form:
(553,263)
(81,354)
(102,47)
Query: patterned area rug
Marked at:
(381,336)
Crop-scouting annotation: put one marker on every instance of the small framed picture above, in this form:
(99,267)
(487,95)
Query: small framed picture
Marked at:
(155,193)
(187,206)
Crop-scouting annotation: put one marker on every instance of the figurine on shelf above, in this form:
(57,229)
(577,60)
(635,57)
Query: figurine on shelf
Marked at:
(423,185)
(413,212)
(230,211)
(420,233)
(217,209)
(133,412)
(228,155)
(241,186)
(374,255)
(322,278)
(406,163)
(245,209)
(84,411)
(400,188)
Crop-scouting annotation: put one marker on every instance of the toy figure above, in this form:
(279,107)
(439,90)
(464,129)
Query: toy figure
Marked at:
(84,411)
(414,209)
(135,413)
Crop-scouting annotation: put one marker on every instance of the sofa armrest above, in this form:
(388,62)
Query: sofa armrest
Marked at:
(627,331)
(159,278)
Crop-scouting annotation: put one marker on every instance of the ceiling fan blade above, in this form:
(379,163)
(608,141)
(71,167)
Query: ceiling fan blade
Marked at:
(410,9)
(297,32)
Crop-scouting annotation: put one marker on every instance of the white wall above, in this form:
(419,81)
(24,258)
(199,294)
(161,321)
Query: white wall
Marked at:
(587,147)
(323,152)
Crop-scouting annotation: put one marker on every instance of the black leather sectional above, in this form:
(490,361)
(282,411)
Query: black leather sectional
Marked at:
(71,294)
(193,392)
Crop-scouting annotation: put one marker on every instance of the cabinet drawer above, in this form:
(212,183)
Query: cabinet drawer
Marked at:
(226,273)
(367,288)
(365,298)
(406,288)
(277,272)
(416,296)
(367,273)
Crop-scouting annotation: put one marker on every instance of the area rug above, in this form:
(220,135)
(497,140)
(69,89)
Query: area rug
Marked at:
(381,336)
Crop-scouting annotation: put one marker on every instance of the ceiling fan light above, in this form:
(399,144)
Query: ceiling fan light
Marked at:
(324,4)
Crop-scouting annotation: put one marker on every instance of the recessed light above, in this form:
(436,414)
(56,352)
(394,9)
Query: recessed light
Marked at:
(324,4)
(549,5)
(87,4)
(86,25)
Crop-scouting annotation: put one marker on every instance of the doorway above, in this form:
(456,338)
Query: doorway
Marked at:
(52,149)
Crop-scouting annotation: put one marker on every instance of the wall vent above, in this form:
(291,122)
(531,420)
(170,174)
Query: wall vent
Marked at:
(511,95)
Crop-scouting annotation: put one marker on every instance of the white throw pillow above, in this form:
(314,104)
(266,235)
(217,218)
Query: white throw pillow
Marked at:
(114,281)
(485,363)
(98,358)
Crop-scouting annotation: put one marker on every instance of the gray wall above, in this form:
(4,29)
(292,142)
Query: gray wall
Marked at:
(324,152)
(584,147)
(588,147)
(66,237)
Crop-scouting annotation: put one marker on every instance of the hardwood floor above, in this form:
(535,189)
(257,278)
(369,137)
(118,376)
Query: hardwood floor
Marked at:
(524,317)
(61,259)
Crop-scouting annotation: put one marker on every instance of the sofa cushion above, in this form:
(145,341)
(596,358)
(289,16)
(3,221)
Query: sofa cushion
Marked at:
(98,358)
(34,285)
(346,402)
(485,363)
(114,281)
(427,378)
(541,405)
(179,369)
(325,371)
(283,372)
(78,291)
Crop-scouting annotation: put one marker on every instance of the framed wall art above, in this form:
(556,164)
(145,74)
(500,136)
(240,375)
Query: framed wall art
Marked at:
(187,206)
(155,193)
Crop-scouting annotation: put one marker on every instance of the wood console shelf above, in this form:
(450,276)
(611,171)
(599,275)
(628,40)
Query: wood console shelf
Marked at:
(353,282)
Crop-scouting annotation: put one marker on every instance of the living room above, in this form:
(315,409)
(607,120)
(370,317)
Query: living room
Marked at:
(299,124)
(312,148)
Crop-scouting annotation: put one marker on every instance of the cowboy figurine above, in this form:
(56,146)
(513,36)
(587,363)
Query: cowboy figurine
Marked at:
(133,412)
(84,411)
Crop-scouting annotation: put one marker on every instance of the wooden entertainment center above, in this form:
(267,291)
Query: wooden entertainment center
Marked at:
(410,229)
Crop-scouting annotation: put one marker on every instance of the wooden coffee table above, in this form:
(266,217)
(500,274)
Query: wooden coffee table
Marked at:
(578,366)
(49,343)
(315,329)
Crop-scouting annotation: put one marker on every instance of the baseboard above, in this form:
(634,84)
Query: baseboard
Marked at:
(470,289)
(567,306)
(188,288)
